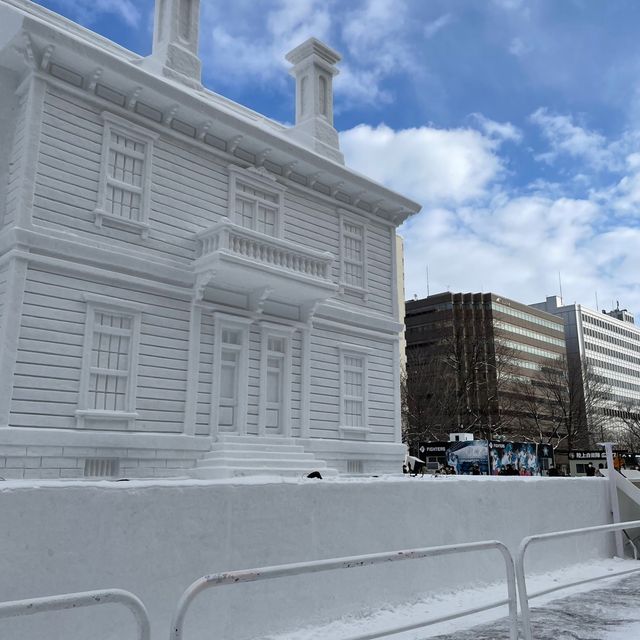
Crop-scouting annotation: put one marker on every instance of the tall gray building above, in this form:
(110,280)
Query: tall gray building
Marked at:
(608,344)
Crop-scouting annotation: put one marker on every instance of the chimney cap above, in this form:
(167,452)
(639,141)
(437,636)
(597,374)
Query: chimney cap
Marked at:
(311,47)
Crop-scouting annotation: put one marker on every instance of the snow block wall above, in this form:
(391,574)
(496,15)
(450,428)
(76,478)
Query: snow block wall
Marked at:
(155,539)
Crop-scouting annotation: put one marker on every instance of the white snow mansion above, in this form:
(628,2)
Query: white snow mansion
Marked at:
(186,287)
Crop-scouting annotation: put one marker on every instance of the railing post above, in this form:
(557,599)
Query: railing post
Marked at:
(525,613)
(613,494)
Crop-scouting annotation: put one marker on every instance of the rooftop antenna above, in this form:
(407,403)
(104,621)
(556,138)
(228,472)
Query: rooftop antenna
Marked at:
(560,283)
(597,305)
(428,291)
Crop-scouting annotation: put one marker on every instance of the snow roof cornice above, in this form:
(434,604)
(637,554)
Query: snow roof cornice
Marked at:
(50,18)
(94,58)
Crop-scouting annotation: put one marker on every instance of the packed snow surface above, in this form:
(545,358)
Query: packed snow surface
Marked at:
(604,610)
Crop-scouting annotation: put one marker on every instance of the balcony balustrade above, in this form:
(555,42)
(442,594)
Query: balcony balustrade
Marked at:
(244,259)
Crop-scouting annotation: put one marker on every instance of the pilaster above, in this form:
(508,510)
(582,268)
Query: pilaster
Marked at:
(305,383)
(10,332)
(193,365)
(35,88)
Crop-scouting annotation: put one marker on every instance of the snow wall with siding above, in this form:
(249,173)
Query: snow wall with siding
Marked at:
(154,539)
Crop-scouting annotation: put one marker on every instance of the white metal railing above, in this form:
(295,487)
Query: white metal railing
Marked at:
(32,606)
(280,571)
(520,575)
(230,238)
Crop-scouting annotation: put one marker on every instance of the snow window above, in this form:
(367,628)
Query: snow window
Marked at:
(353,277)
(123,196)
(109,368)
(256,202)
(353,390)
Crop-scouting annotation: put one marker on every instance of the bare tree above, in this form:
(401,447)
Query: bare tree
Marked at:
(628,413)
(457,382)
(566,404)
(543,405)
(429,394)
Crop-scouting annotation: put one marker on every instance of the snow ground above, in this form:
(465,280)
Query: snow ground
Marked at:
(605,610)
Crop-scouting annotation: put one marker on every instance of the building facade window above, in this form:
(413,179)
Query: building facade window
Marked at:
(353,256)
(125,175)
(275,391)
(529,317)
(108,378)
(256,201)
(353,391)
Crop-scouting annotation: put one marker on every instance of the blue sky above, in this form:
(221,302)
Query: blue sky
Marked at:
(516,123)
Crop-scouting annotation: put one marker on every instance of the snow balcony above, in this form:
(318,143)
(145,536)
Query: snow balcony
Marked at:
(233,257)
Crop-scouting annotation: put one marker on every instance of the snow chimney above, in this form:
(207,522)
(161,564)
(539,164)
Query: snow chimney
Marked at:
(175,41)
(314,68)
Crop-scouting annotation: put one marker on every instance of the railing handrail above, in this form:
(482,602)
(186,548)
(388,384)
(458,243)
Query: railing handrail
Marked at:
(27,607)
(323,256)
(348,562)
(541,537)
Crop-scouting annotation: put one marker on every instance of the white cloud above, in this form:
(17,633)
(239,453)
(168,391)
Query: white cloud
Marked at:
(435,26)
(88,11)
(243,46)
(499,130)
(567,138)
(435,166)
(375,48)
(509,5)
(518,47)
(476,233)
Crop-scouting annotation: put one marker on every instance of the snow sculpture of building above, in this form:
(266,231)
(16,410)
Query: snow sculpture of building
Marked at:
(185,285)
